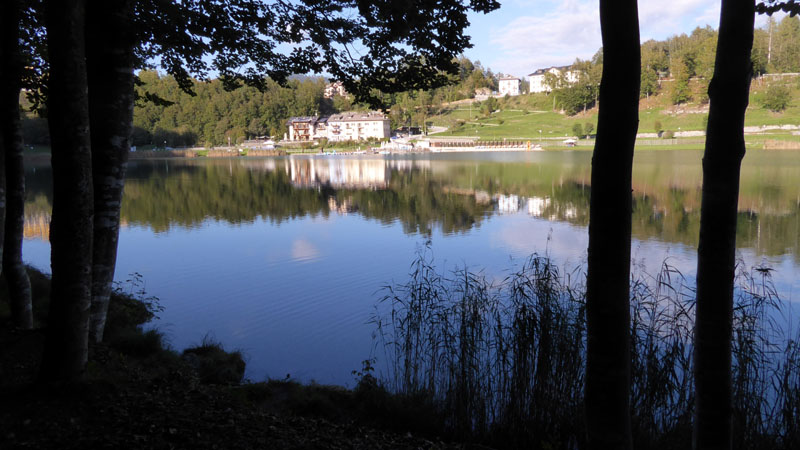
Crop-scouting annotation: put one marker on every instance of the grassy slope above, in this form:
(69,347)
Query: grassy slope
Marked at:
(522,117)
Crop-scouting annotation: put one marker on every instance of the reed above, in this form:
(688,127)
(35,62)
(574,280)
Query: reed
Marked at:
(503,360)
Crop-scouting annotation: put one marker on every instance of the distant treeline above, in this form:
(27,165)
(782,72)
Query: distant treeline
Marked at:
(776,49)
(214,116)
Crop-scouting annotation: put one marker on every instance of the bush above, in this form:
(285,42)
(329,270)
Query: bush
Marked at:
(213,364)
(658,127)
(776,98)
(577,130)
(588,128)
(134,342)
(669,134)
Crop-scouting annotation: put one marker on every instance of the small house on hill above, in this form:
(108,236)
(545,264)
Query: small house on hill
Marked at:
(508,86)
(537,78)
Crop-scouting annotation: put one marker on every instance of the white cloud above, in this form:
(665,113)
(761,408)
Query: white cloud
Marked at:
(554,38)
(557,33)
(658,22)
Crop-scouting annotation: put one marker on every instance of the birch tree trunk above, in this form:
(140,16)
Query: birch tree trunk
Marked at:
(607,285)
(66,345)
(109,60)
(729,95)
(19,286)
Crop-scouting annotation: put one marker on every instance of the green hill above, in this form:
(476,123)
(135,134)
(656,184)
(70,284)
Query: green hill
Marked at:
(531,116)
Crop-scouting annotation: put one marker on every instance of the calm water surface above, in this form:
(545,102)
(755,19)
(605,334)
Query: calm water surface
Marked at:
(284,258)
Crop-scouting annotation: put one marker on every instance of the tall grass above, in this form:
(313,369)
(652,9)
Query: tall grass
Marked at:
(504,360)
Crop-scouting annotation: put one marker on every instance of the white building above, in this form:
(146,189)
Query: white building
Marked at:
(334,89)
(302,128)
(537,79)
(348,126)
(508,86)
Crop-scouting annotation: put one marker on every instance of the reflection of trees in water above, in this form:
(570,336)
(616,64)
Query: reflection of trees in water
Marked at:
(423,194)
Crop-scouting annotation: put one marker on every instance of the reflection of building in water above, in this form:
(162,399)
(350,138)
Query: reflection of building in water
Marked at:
(408,165)
(355,173)
(537,205)
(507,203)
(343,207)
(37,226)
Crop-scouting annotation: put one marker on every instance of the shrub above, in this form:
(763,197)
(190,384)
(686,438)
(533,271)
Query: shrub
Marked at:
(658,127)
(213,364)
(588,128)
(136,343)
(776,98)
(669,134)
(577,130)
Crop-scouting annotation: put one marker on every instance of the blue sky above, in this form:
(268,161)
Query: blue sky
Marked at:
(524,35)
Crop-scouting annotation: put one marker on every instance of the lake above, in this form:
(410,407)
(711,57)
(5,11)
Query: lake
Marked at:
(285,258)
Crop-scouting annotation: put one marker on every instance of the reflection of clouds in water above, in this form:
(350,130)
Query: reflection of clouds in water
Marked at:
(302,250)
(523,236)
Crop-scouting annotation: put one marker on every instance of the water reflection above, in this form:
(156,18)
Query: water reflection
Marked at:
(453,193)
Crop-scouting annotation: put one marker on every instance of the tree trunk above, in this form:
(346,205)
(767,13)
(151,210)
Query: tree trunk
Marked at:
(109,63)
(728,93)
(66,345)
(607,285)
(13,196)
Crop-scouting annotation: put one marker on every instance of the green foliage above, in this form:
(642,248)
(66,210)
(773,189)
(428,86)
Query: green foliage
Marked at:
(576,97)
(657,126)
(760,53)
(776,98)
(669,134)
(215,115)
(786,46)
(488,106)
(649,82)
(577,130)
(680,86)
(588,127)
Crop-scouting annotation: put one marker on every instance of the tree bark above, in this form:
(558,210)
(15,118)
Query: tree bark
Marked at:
(109,60)
(12,178)
(607,285)
(728,92)
(66,345)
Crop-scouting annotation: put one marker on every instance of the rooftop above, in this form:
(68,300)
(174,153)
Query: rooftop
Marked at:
(357,116)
